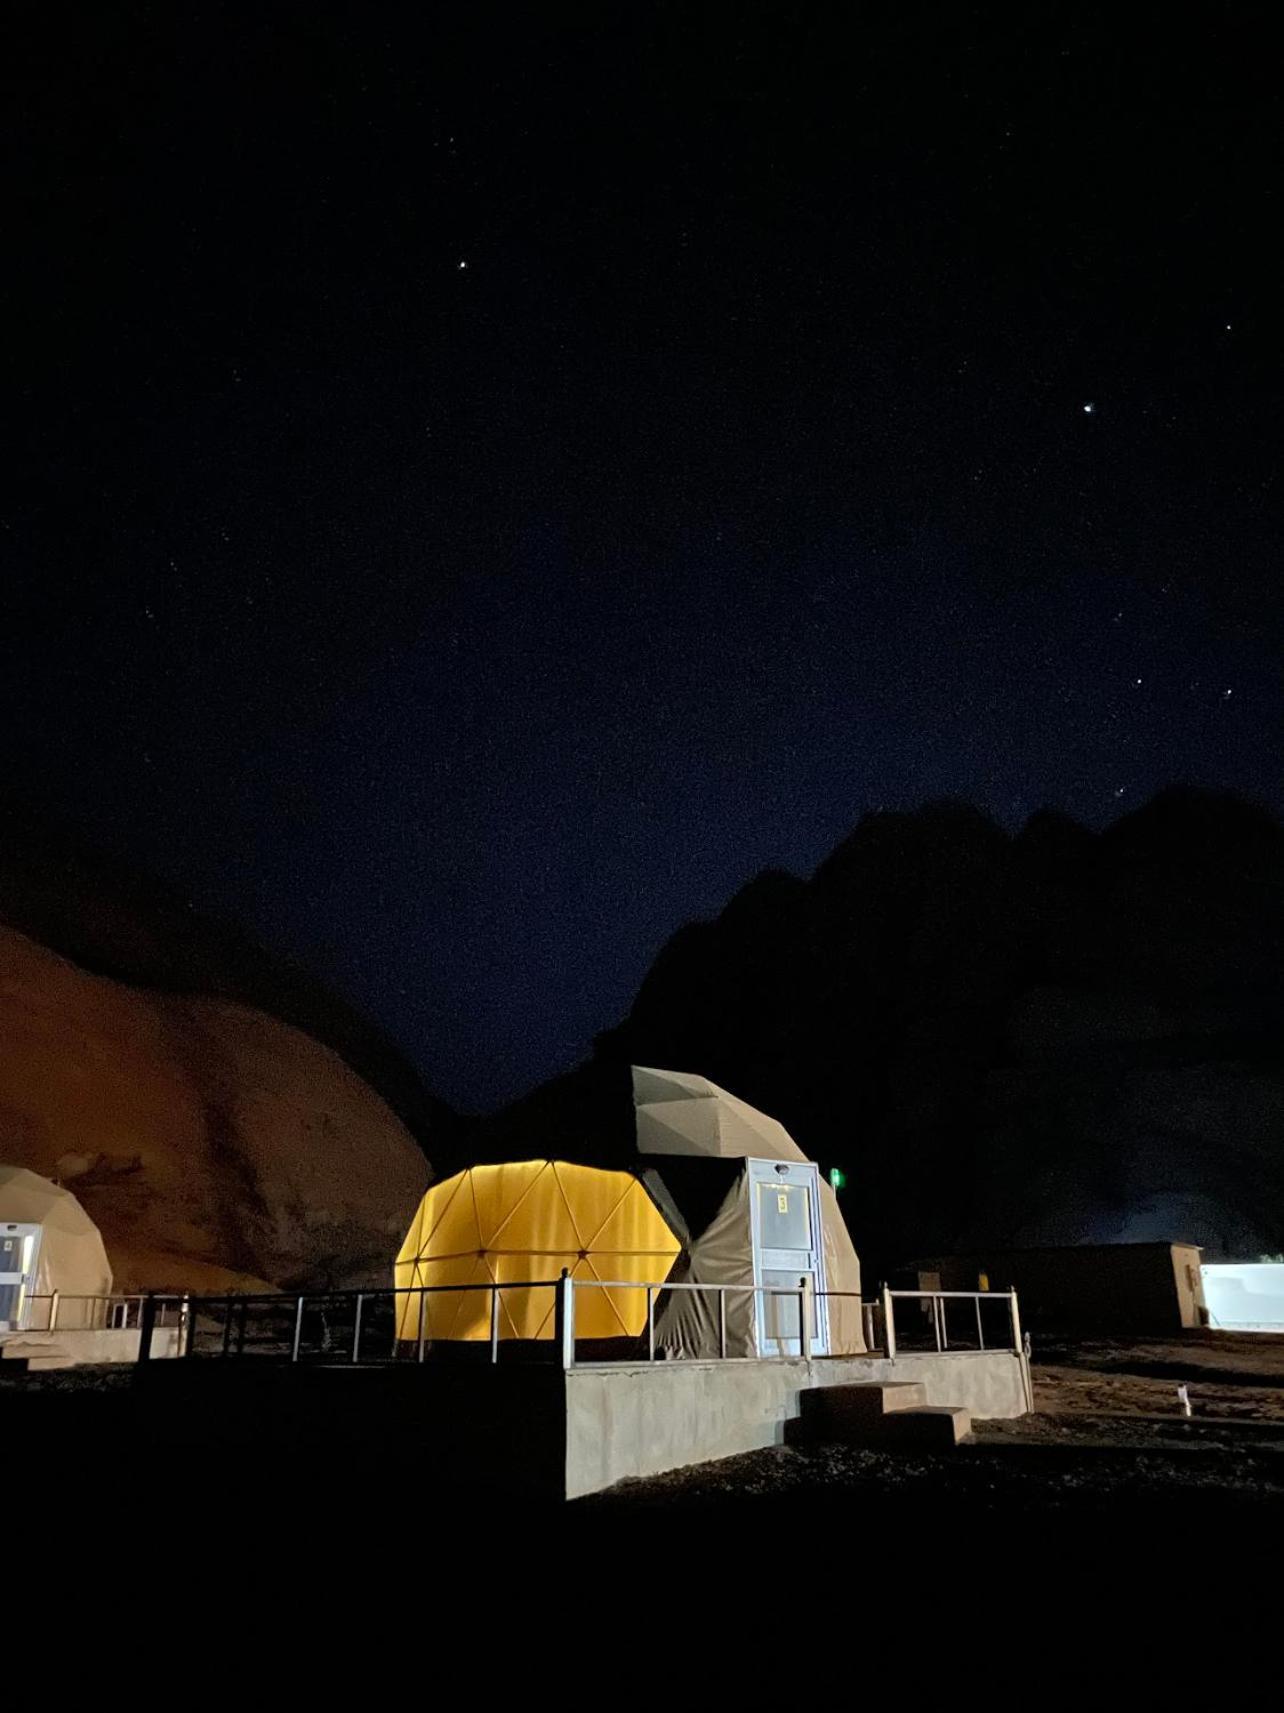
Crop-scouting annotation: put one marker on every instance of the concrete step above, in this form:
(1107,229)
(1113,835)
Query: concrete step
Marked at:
(860,1403)
(932,1428)
(883,1414)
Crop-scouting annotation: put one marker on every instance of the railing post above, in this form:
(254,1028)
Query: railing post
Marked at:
(980,1330)
(423,1311)
(938,1323)
(53,1311)
(803,1343)
(650,1323)
(1021,1346)
(298,1328)
(356,1327)
(494,1324)
(146,1324)
(564,1318)
(889,1324)
(227,1326)
(722,1323)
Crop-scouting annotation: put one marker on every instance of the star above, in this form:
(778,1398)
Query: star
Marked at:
(1090,409)
(462,266)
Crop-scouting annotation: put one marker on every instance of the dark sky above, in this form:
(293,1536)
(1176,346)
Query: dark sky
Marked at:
(489,481)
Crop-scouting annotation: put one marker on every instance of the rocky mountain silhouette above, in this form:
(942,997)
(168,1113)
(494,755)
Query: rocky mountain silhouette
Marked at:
(1052,1036)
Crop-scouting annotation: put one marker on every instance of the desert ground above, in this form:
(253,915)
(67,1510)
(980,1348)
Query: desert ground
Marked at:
(1108,1434)
(1108,1438)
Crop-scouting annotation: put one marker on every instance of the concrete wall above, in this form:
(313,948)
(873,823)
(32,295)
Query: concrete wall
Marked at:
(91,1344)
(643,1419)
(518,1430)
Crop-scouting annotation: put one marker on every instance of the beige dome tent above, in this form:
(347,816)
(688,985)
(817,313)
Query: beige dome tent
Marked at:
(48,1243)
(637,1177)
(778,1222)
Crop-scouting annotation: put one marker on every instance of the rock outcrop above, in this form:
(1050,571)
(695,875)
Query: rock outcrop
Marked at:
(214,1146)
(1053,1037)
(225,1119)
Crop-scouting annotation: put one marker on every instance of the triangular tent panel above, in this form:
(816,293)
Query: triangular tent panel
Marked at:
(677,1113)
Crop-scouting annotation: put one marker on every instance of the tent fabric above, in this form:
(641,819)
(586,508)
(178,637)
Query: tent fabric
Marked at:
(526,1221)
(687,1321)
(842,1274)
(71,1258)
(678,1113)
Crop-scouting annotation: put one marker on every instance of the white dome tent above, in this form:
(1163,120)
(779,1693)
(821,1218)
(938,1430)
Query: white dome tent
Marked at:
(48,1244)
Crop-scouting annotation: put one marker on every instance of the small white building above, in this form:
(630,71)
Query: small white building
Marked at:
(1245,1296)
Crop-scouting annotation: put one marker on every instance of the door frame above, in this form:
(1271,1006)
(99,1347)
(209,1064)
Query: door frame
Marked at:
(26,1279)
(795,1172)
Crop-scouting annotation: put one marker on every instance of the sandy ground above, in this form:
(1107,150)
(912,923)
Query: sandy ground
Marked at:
(1108,1439)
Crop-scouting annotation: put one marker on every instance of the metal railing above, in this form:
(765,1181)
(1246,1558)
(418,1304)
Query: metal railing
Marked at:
(378,1326)
(393,1325)
(935,1307)
(68,1311)
(371,1326)
(801,1295)
(367,1326)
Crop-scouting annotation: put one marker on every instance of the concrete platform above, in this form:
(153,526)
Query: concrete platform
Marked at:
(532,1431)
(68,1347)
(627,1420)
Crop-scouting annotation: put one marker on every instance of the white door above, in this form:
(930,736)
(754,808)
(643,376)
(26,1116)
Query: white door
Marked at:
(788,1254)
(18,1247)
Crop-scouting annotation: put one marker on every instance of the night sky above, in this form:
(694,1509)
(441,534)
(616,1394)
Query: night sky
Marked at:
(489,481)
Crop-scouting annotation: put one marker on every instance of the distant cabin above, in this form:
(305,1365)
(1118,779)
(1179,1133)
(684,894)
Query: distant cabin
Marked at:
(1149,1289)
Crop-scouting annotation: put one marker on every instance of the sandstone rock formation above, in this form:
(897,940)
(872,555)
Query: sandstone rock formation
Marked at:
(214,1146)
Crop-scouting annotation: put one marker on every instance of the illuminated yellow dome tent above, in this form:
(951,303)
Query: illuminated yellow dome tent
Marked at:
(643,1176)
(523,1222)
